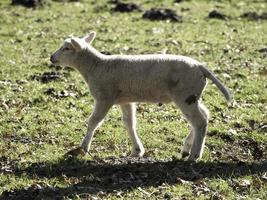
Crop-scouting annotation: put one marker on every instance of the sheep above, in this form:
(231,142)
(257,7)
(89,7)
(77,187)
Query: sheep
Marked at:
(127,79)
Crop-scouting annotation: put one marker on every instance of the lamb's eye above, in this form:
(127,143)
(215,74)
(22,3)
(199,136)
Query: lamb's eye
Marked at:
(66,49)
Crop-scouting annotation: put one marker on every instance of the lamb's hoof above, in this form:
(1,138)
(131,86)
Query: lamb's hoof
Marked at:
(79,151)
(137,153)
(185,154)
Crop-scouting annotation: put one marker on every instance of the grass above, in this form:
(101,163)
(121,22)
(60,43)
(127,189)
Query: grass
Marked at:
(41,120)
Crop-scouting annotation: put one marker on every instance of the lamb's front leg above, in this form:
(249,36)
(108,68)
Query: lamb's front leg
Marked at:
(188,144)
(100,110)
(129,119)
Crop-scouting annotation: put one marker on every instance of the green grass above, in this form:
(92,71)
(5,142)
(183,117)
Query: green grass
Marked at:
(37,129)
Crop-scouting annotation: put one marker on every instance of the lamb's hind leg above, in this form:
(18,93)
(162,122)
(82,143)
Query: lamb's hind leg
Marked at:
(197,116)
(190,137)
(129,119)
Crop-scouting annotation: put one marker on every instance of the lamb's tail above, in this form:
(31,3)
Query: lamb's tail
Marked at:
(218,83)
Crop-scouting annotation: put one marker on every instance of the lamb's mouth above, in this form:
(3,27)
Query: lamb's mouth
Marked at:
(53,60)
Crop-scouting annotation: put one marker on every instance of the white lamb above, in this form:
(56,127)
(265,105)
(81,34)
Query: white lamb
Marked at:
(126,79)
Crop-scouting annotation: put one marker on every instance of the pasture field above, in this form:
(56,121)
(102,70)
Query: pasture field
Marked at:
(44,108)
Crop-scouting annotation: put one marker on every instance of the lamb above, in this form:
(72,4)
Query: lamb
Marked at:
(127,79)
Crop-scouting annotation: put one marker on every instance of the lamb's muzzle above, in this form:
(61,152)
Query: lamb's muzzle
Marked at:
(52,59)
(126,79)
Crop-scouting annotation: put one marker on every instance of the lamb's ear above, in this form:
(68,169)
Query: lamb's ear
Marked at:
(90,37)
(76,44)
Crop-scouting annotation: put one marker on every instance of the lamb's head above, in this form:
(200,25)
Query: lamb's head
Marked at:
(68,53)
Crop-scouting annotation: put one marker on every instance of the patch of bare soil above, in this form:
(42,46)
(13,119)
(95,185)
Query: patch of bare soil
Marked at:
(125,7)
(254,16)
(70,91)
(262,50)
(28,3)
(162,14)
(214,14)
(47,77)
(239,150)
(60,94)
(7,165)
(246,150)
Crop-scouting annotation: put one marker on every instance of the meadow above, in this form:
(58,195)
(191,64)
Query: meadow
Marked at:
(44,109)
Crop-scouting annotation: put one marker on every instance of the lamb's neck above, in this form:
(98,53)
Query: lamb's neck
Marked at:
(89,59)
